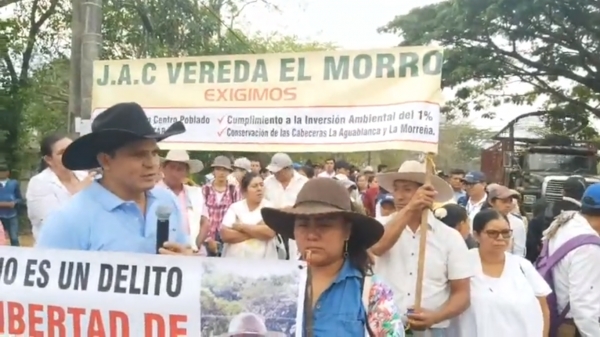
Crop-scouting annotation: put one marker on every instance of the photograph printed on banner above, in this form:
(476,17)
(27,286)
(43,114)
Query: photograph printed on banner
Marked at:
(252,297)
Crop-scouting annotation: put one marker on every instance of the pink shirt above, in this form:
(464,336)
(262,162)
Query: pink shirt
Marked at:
(183,203)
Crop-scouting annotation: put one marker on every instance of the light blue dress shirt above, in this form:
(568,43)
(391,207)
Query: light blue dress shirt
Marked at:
(340,311)
(97,220)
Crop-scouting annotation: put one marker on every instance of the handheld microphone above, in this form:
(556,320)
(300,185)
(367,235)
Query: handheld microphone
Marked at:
(163,212)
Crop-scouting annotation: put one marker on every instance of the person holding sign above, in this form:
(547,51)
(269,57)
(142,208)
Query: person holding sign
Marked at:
(117,212)
(343,298)
(446,275)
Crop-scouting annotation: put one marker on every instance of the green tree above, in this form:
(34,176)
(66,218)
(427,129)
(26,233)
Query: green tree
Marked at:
(18,47)
(131,29)
(550,45)
(461,144)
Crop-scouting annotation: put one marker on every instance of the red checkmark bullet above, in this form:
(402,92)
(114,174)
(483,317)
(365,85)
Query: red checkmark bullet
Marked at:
(220,119)
(219,133)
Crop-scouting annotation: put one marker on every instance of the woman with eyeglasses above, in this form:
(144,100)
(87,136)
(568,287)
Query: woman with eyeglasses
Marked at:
(508,296)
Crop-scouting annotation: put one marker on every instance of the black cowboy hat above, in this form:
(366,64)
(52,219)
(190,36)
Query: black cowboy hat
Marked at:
(113,128)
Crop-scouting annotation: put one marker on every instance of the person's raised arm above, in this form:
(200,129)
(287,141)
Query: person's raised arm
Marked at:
(421,200)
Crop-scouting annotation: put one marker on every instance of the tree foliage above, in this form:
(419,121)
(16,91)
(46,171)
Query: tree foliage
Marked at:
(550,45)
(35,43)
(460,145)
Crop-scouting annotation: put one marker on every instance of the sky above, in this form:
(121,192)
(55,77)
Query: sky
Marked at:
(352,24)
(349,24)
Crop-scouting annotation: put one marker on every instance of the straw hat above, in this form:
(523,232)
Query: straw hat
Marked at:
(412,170)
(324,196)
(181,156)
(249,324)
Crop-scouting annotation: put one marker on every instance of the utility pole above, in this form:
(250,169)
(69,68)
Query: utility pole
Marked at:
(75,63)
(91,45)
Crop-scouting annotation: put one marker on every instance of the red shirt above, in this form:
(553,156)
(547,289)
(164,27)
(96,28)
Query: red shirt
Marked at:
(369,200)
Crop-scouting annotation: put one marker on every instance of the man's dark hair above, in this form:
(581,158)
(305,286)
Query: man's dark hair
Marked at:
(457,172)
(381,167)
(574,187)
(308,170)
(330,159)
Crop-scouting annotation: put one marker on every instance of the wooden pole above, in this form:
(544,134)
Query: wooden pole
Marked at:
(423,238)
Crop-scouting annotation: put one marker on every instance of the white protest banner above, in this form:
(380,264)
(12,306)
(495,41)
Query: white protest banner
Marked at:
(45,293)
(326,101)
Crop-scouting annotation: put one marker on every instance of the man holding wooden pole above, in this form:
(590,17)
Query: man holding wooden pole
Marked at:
(423,260)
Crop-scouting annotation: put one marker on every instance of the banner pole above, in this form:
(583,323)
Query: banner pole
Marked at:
(423,237)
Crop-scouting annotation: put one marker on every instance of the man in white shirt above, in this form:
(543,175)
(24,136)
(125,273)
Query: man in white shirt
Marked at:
(446,285)
(475,183)
(282,188)
(328,169)
(576,275)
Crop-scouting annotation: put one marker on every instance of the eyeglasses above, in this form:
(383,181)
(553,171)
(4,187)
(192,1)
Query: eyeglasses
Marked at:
(494,234)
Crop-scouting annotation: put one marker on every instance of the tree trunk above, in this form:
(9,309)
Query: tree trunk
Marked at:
(75,62)
(90,51)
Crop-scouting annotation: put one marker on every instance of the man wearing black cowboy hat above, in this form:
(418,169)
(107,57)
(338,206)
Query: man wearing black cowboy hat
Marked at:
(119,211)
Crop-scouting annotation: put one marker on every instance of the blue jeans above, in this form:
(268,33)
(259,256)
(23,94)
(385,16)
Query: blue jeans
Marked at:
(11,226)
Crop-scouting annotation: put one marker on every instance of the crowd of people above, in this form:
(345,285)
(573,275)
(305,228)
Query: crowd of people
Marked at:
(357,228)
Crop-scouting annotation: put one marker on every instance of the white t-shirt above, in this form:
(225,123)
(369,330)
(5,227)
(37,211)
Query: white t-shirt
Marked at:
(473,208)
(324,174)
(504,306)
(252,248)
(519,238)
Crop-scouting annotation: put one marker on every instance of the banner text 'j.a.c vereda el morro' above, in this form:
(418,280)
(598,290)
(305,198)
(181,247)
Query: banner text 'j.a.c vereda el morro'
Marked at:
(330,101)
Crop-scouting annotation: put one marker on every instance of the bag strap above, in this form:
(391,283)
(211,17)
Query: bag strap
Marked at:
(567,247)
(562,251)
(365,286)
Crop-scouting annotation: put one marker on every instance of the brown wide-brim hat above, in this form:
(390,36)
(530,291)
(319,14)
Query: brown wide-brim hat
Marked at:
(324,196)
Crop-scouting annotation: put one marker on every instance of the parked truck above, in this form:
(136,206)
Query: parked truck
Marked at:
(537,167)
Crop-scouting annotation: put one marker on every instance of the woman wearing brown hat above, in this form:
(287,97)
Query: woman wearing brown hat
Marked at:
(342,296)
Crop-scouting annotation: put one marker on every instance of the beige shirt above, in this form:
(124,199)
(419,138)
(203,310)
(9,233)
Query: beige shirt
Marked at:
(446,260)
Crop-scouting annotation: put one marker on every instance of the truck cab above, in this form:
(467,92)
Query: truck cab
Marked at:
(537,167)
(545,168)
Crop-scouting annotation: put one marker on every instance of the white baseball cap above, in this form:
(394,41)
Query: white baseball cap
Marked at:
(242,163)
(279,161)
